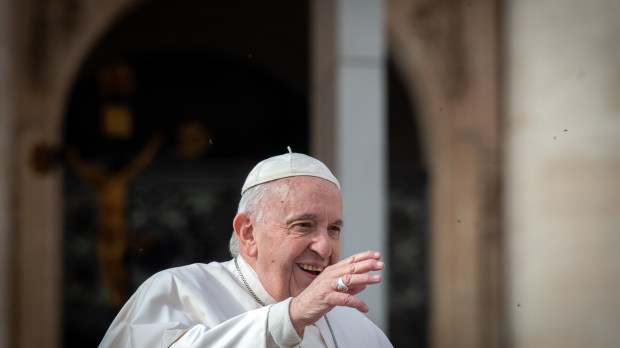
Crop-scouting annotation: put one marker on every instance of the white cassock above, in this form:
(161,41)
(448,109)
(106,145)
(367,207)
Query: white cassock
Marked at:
(208,305)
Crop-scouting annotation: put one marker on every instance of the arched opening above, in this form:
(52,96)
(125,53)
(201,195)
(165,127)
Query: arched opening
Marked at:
(168,112)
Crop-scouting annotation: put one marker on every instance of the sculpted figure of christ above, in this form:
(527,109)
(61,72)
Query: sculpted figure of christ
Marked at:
(111,193)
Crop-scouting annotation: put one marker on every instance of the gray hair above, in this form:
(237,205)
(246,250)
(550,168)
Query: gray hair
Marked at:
(252,202)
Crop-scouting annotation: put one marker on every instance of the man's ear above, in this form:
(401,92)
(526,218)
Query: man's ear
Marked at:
(245,233)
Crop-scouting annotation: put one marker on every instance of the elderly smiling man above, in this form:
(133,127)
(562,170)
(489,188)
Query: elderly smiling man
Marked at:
(285,286)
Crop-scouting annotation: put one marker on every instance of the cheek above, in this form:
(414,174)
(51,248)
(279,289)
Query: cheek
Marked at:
(285,254)
(335,251)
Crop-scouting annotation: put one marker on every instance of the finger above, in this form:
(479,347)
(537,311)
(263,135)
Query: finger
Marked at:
(368,261)
(348,300)
(362,267)
(352,280)
(357,283)
(354,290)
(370,254)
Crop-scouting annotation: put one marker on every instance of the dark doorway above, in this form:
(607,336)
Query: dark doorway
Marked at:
(176,103)
(408,219)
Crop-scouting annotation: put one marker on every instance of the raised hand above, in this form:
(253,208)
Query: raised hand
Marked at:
(323,293)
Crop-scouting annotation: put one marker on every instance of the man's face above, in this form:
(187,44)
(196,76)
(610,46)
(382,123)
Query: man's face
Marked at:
(299,234)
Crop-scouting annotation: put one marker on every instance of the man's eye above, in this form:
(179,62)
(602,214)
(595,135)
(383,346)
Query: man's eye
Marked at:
(304,225)
(335,231)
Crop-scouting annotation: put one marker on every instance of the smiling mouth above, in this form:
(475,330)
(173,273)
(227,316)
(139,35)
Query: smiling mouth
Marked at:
(314,270)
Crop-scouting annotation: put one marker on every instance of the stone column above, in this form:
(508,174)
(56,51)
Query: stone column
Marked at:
(6,174)
(348,130)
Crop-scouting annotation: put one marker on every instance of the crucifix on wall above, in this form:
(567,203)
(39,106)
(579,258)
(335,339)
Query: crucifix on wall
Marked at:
(111,195)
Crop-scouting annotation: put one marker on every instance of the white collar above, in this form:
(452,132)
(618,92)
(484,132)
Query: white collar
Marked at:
(253,282)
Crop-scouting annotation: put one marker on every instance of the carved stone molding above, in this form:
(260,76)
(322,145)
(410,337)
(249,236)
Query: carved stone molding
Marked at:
(438,24)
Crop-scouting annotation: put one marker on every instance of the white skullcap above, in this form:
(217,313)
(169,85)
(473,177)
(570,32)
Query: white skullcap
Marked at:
(287,165)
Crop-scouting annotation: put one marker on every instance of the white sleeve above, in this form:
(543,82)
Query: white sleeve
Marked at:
(280,326)
(246,330)
(160,314)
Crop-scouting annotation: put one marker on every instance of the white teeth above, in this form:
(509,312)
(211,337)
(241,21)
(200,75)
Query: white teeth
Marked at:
(311,267)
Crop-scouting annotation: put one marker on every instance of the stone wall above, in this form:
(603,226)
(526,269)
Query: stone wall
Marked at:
(563,173)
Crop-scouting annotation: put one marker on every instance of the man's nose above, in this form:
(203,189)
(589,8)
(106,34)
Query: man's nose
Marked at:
(321,244)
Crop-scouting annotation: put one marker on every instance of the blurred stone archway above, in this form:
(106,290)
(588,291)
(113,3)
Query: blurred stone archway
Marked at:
(447,53)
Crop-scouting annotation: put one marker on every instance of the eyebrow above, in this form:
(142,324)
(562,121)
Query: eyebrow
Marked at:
(310,216)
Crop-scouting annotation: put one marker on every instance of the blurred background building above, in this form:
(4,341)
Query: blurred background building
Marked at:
(477,143)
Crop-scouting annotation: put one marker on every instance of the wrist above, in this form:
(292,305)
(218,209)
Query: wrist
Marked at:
(296,320)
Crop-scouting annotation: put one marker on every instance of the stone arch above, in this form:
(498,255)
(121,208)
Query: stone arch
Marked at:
(447,52)
(40,120)
(39,117)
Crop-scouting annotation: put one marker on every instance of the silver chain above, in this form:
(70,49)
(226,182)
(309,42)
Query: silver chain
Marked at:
(330,330)
(263,304)
(247,285)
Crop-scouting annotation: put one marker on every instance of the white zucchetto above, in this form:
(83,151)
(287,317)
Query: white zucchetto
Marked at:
(287,165)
